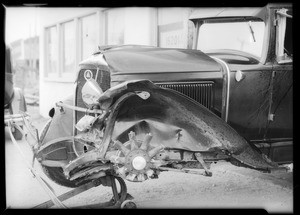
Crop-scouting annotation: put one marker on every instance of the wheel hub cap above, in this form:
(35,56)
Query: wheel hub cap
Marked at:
(139,162)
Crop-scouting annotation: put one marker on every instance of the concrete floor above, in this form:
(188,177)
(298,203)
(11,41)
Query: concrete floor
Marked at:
(229,187)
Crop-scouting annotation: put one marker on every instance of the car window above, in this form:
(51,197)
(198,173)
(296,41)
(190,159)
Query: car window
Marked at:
(288,41)
(8,66)
(284,40)
(246,36)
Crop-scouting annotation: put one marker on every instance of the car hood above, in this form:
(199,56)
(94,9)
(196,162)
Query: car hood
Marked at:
(146,59)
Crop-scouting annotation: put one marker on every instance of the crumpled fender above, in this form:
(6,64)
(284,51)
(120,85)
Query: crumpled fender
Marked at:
(62,122)
(178,122)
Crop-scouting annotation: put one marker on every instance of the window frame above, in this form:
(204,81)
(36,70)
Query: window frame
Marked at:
(199,24)
(49,75)
(59,75)
(106,19)
(281,24)
(63,74)
(79,32)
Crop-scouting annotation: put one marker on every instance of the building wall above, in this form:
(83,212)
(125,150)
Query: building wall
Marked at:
(164,27)
(172,27)
(141,26)
(56,89)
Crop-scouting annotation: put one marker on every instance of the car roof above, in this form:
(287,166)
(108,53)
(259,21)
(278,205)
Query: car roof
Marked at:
(204,13)
(235,12)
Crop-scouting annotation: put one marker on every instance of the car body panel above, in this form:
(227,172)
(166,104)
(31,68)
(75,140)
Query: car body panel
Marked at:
(167,60)
(261,103)
(179,122)
(170,64)
(62,123)
(227,12)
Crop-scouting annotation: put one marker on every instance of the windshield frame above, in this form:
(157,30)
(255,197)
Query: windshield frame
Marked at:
(266,37)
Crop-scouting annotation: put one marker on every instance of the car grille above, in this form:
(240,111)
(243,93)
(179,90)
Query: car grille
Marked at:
(103,79)
(201,92)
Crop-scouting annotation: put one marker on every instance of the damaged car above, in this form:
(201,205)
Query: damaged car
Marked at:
(140,110)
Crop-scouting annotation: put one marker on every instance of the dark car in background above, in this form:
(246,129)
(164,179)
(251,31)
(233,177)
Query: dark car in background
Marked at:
(14,100)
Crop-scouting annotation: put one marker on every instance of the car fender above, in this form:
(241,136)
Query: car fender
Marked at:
(174,120)
(179,122)
(61,124)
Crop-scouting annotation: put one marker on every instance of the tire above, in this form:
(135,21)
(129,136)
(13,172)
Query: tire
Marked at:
(128,204)
(57,175)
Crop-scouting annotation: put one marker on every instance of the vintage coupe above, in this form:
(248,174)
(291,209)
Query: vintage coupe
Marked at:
(139,110)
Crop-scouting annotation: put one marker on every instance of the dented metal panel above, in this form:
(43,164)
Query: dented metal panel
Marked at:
(200,129)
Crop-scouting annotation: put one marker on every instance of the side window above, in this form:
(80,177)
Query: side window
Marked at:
(8,66)
(67,43)
(284,40)
(115,26)
(88,35)
(52,50)
(288,40)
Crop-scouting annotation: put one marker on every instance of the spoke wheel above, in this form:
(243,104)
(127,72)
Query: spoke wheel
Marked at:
(134,158)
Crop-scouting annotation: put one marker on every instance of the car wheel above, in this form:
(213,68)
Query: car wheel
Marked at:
(128,204)
(57,175)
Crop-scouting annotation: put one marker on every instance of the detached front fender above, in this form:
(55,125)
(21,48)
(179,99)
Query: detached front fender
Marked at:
(61,124)
(178,122)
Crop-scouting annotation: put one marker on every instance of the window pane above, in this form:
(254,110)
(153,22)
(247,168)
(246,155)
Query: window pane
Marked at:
(88,36)
(69,44)
(172,28)
(242,36)
(288,41)
(52,47)
(115,27)
(171,35)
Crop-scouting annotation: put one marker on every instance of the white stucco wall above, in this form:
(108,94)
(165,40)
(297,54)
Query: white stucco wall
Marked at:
(140,26)
(52,92)
(173,24)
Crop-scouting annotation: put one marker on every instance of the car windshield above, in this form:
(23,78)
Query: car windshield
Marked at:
(246,36)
